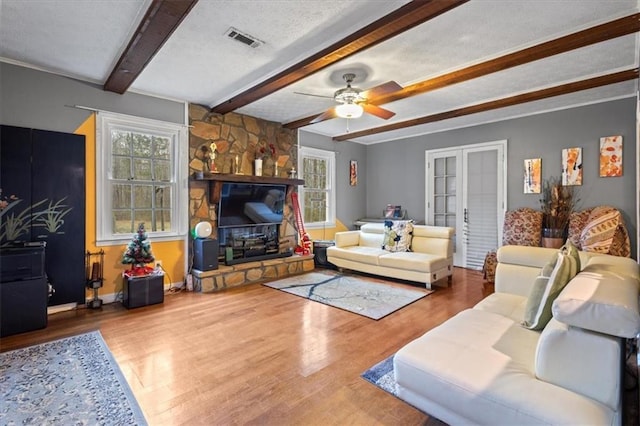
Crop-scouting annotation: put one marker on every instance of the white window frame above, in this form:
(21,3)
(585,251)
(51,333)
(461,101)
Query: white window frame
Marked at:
(177,133)
(330,158)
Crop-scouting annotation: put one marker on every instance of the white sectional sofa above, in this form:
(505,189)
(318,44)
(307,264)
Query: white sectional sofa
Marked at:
(483,367)
(430,258)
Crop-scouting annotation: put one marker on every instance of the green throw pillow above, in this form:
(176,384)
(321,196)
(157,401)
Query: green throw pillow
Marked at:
(548,285)
(397,235)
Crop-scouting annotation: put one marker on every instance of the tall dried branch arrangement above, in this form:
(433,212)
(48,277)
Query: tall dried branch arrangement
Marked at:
(557,203)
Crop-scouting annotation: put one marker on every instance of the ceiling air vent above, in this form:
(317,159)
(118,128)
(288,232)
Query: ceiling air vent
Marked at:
(244,38)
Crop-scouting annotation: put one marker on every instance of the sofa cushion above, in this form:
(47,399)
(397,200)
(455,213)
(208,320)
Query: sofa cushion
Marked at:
(397,235)
(509,305)
(421,262)
(480,365)
(581,361)
(367,255)
(595,294)
(548,285)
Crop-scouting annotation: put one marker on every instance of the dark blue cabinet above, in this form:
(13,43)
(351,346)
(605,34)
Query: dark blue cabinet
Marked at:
(42,176)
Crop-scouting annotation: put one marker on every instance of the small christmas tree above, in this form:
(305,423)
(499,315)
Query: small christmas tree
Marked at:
(138,252)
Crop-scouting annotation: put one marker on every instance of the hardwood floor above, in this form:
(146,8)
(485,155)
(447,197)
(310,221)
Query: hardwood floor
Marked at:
(255,355)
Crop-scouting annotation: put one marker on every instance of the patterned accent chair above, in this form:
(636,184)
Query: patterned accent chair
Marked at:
(600,229)
(522,227)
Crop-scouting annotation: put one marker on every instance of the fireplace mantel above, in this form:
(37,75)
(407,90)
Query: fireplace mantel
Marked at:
(215,181)
(230,177)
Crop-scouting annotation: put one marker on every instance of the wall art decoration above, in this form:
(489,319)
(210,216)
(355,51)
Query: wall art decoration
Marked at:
(353,172)
(572,166)
(611,156)
(532,175)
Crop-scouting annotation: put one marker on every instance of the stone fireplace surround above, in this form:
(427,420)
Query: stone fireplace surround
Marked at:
(250,271)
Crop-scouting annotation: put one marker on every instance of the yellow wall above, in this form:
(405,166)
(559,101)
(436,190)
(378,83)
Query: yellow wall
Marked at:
(327,233)
(170,253)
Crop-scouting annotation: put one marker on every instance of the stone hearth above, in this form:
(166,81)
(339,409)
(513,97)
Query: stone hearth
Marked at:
(248,273)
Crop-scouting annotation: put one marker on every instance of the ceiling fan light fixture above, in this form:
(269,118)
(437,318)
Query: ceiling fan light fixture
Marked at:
(349,110)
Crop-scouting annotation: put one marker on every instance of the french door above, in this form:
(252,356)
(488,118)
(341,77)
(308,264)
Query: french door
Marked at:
(466,189)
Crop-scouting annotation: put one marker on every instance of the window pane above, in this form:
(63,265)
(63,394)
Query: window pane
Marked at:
(142,196)
(141,145)
(143,216)
(439,167)
(162,148)
(121,196)
(122,223)
(141,169)
(120,143)
(162,170)
(162,220)
(315,206)
(163,197)
(121,168)
(315,173)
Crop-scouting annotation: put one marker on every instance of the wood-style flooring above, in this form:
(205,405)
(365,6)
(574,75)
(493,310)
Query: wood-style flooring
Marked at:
(255,355)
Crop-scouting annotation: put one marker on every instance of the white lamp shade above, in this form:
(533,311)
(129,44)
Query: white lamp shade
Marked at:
(349,110)
(203,230)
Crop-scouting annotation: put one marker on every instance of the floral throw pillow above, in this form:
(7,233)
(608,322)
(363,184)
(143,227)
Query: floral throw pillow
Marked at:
(397,235)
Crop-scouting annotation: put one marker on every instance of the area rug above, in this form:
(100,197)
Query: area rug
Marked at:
(383,376)
(367,297)
(71,381)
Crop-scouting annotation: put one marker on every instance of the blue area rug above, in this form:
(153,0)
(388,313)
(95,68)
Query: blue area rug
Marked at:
(383,376)
(72,381)
(372,298)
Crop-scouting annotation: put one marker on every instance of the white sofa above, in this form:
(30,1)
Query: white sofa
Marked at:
(482,367)
(430,258)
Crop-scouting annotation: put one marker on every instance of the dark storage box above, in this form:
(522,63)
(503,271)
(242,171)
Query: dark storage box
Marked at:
(143,291)
(24,291)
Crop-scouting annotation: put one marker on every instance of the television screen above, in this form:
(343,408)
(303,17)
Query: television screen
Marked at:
(249,204)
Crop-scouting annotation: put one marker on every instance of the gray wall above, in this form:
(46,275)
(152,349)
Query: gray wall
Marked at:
(40,100)
(350,200)
(397,168)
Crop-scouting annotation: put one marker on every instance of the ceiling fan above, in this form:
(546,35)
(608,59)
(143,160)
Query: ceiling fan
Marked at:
(352,101)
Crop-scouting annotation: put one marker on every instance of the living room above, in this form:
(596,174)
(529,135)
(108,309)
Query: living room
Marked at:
(35,98)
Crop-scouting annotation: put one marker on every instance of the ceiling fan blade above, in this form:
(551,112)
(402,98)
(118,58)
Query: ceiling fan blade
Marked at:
(385,114)
(327,115)
(381,90)
(312,94)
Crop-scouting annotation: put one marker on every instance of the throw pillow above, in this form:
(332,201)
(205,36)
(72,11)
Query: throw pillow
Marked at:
(577,222)
(597,235)
(548,285)
(397,235)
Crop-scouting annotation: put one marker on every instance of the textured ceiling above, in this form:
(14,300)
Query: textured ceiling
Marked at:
(84,39)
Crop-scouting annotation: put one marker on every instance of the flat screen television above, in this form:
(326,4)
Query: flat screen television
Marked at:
(250,204)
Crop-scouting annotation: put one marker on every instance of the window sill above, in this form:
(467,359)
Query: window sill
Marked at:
(127,239)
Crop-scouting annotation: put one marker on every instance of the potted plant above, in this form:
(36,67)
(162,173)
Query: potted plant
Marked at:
(557,204)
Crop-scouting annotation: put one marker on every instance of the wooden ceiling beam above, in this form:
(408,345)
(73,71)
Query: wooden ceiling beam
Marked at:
(536,95)
(607,31)
(159,22)
(402,19)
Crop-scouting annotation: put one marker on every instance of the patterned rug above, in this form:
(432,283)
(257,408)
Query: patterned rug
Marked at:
(370,297)
(69,381)
(383,376)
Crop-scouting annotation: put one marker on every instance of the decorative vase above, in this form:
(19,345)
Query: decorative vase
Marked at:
(257,167)
(552,238)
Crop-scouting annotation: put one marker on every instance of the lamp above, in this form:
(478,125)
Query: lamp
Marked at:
(349,110)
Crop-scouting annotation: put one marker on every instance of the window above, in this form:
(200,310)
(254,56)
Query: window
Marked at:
(141,177)
(318,198)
